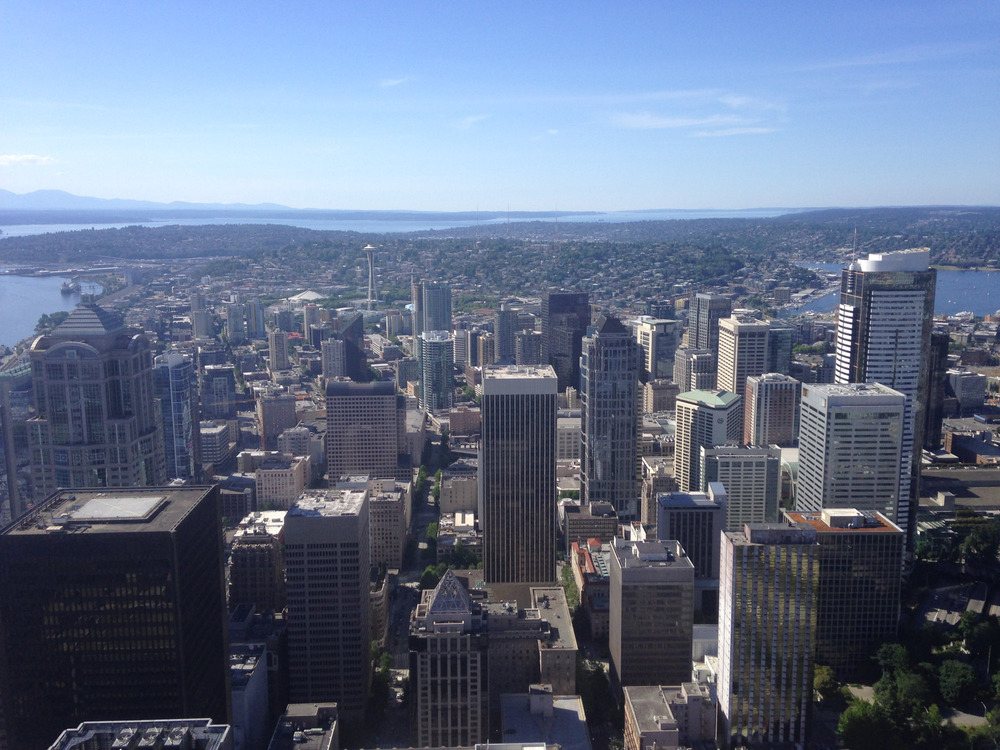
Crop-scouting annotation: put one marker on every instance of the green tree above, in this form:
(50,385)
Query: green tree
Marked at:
(825,682)
(982,544)
(431,575)
(865,726)
(569,585)
(956,680)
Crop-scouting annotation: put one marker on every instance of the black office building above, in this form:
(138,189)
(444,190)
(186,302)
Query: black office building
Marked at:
(565,317)
(112,607)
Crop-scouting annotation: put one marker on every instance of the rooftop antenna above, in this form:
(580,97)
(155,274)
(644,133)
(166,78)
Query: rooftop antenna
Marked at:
(508,218)
(855,243)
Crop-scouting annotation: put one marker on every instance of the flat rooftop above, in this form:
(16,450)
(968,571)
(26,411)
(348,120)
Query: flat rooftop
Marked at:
(328,503)
(845,521)
(109,511)
(566,727)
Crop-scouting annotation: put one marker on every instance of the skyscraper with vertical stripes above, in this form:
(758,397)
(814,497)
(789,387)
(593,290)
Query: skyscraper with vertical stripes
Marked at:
(517,474)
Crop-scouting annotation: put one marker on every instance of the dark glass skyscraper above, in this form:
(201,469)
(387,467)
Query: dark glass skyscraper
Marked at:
(112,606)
(609,380)
(517,474)
(565,317)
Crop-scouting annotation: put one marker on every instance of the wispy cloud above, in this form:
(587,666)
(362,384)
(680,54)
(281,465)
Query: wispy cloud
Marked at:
(917,53)
(552,131)
(722,132)
(752,103)
(14,160)
(467,122)
(388,83)
(648,121)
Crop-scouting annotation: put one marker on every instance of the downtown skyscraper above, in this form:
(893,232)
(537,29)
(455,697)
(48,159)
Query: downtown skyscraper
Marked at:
(517,474)
(565,317)
(609,378)
(96,422)
(112,606)
(884,324)
(176,384)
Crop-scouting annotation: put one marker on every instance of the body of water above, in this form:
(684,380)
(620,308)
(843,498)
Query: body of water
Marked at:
(977,292)
(384,226)
(24,299)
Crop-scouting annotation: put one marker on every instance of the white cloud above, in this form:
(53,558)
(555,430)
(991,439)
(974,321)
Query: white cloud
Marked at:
(648,121)
(467,122)
(387,83)
(732,131)
(12,160)
(918,53)
(552,131)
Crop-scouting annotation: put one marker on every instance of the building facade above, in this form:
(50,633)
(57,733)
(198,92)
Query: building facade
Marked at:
(695,369)
(884,324)
(97,423)
(112,606)
(767,634)
(257,563)
(327,574)
(858,596)
(652,613)
(771,410)
(609,380)
(176,386)
(704,418)
(742,351)
(705,313)
(517,474)
(850,447)
(436,354)
(565,317)
(752,478)
(364,426)
(659,339)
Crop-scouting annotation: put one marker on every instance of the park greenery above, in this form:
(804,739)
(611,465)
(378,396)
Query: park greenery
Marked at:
(917,683)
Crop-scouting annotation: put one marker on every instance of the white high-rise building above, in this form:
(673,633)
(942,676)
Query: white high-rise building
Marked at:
(752,478)
(334,358)
(850,447)
(704,418)
(517,474)
(742,351)
(771,410)
(658,339)
(884,324)
(436,355)
(176,386)
(695,369)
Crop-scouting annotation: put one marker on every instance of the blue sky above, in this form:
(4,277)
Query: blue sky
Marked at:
(535,106)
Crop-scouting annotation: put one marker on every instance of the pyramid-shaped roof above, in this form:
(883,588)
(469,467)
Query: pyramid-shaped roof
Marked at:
(610,324)
(90,320)
(449,596)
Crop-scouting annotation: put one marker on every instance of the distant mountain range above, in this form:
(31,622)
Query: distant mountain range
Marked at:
(61,201)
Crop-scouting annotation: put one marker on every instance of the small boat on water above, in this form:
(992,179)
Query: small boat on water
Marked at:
(70,287)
